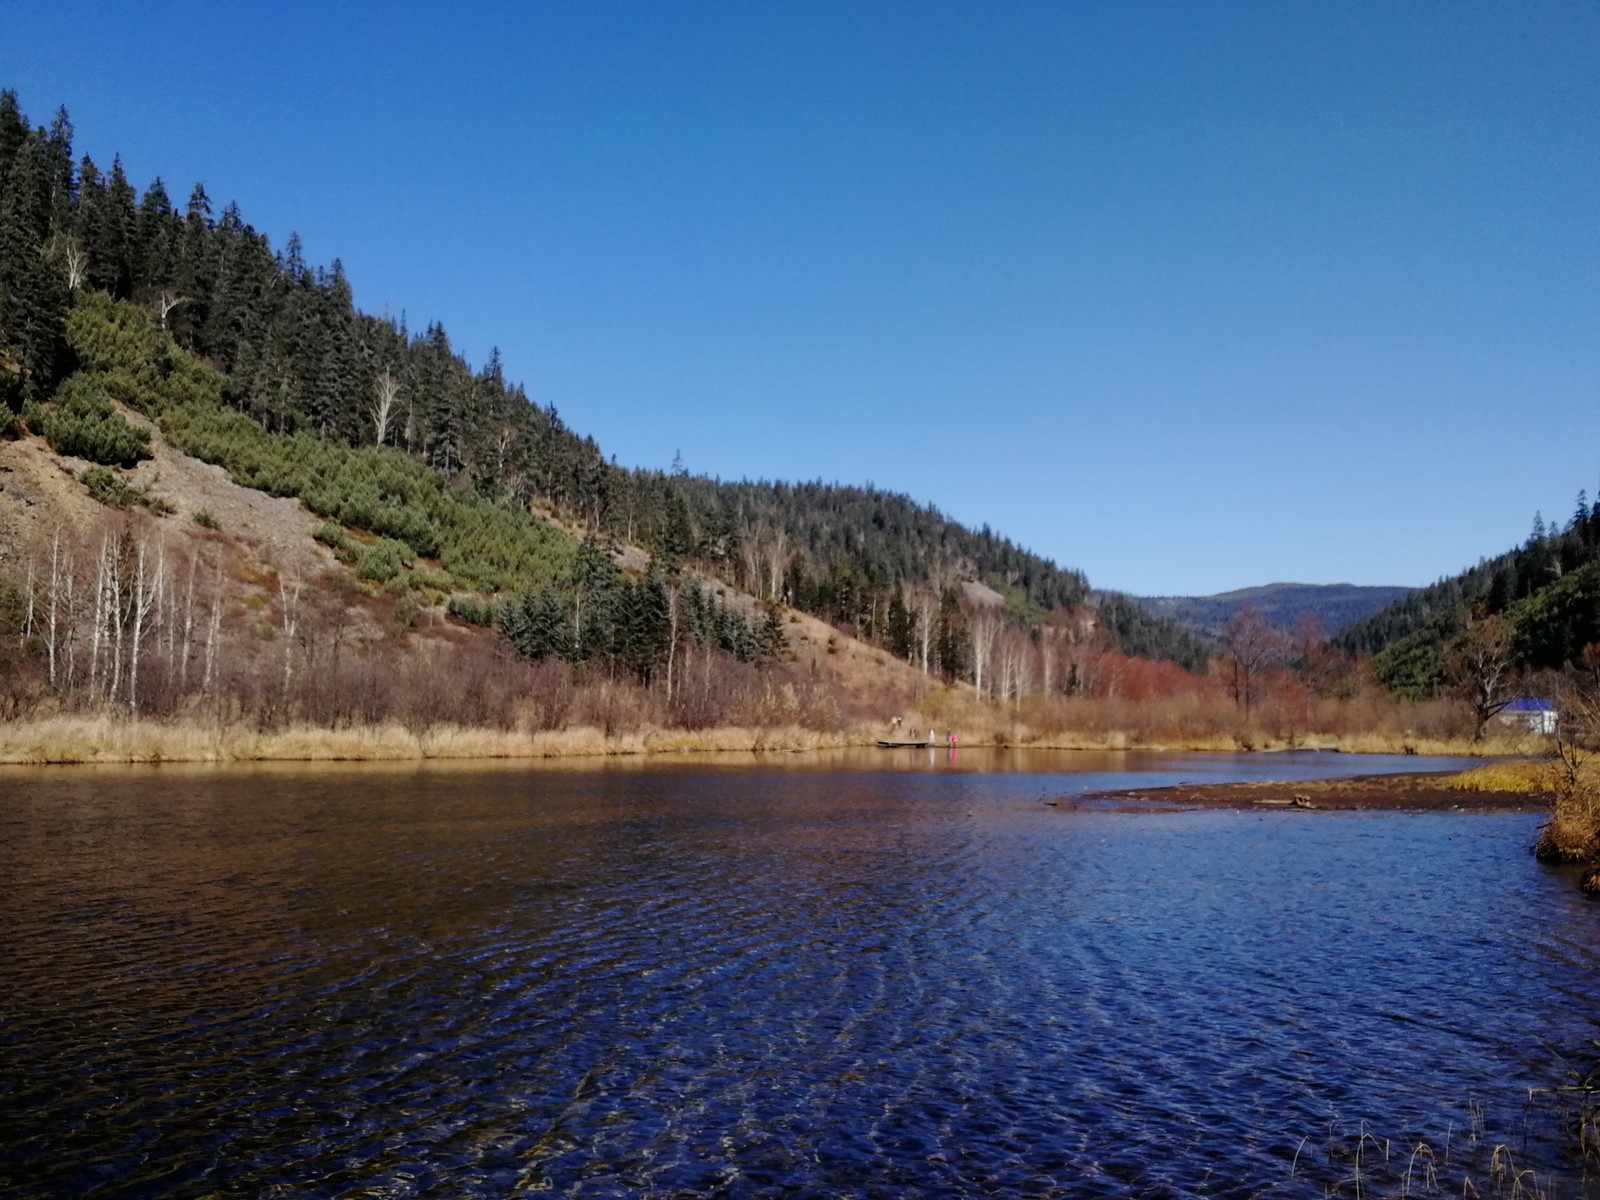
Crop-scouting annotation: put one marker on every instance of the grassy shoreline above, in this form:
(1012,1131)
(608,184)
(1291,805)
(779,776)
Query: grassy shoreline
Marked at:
(125,738)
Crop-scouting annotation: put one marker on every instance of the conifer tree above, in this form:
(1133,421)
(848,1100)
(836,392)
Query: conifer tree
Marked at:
(33,297)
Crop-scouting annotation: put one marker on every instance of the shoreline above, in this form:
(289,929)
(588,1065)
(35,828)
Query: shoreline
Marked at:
(120,738)
(1421,791)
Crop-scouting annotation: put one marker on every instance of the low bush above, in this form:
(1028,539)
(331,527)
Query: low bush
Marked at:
(474,610)
(82,422)
(382,561)
(333,535)
(107,486)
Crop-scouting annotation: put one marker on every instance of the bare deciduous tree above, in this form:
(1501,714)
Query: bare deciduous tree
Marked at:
(1252,646)
(148,581)
(1479,664)
(983,624)
(386,391)
(926,608)
(165,302)
(76,259)
(213,632)
(289,593)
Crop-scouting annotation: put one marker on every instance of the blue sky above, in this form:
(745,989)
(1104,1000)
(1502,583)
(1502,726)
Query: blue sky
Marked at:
(1191,296)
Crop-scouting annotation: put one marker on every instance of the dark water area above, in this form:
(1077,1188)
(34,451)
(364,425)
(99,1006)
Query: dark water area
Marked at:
(847,976)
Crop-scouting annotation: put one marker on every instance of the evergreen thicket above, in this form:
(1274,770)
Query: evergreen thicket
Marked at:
(254,359)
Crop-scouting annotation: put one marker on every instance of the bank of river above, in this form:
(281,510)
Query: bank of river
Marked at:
(121,737)
(870,975)
(1429,791)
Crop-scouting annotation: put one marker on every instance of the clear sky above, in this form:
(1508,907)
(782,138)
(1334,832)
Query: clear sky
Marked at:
(1191,296)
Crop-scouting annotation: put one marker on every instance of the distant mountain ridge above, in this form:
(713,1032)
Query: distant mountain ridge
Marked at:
(1285,605)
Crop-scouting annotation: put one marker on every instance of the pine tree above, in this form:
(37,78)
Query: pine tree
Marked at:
(193,275)
(33,297)
(901,626)
(538,625)
(13,132)
(770,638)
(955,643)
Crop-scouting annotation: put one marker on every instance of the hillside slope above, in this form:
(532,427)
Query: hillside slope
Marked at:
(259,362)
(251,546)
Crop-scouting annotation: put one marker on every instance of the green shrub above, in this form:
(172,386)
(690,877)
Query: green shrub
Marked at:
(430,580)
(107,486)
(381,491)
(474,610)
(382,561)
(375,489)
(82,422)
(204,519)
(332,535)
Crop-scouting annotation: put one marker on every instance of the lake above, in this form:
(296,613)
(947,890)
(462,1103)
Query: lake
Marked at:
(858,974)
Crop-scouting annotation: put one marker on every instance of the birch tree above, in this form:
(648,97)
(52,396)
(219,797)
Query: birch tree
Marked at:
(386,392)
(289,594)
(983,624)
(926,608)
(144,601)
(213,632)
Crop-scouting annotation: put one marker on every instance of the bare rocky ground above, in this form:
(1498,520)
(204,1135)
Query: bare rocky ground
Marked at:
(257,539)
(40,492)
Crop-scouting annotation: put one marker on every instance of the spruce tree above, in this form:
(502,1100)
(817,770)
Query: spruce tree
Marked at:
(33,298)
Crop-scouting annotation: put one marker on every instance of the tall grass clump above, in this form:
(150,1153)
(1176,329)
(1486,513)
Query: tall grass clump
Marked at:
(1572,834)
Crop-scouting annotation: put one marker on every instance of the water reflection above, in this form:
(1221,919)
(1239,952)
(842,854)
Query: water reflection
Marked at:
(855,978)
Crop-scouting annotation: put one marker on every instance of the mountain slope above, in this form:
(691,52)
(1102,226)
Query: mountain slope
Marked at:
(289,354)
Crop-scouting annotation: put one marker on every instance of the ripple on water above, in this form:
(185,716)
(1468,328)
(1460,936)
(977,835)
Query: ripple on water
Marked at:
(744,983)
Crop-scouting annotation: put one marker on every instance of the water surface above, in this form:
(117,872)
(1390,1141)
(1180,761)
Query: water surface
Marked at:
(859,977)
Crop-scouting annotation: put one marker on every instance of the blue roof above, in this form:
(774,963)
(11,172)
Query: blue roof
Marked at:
(1531,706)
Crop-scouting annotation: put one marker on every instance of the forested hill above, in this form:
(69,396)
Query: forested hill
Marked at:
(294,358)
(1376,631)
(1284,605)
(1546,593)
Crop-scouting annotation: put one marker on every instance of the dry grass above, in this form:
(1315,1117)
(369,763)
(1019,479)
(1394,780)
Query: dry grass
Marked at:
(1572,834)
(1204,719)
(1172,724)
(787,738)
(1401,742)
(1521,776)
(126,739)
